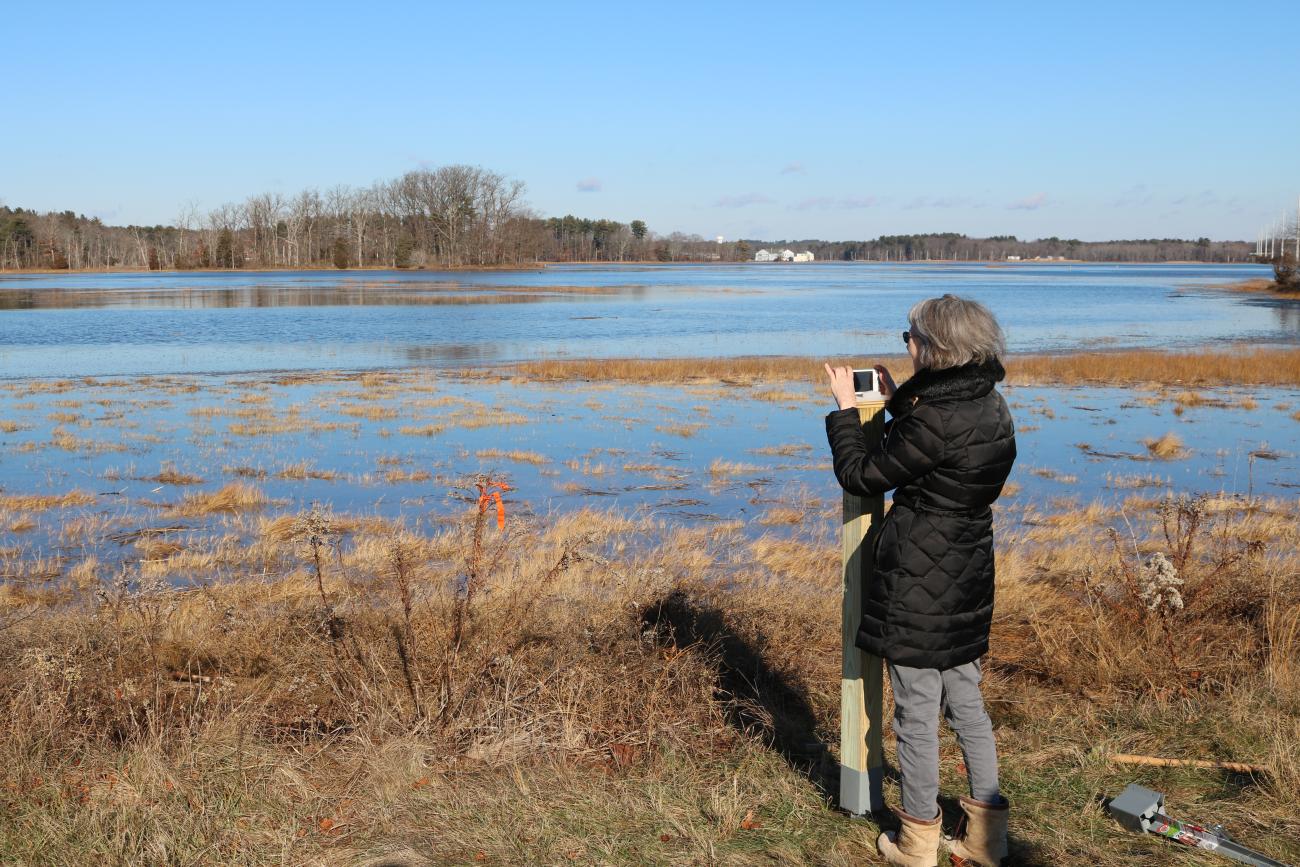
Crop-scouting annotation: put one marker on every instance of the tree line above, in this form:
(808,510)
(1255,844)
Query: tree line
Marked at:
(453,216)
(955,246)
(458,216)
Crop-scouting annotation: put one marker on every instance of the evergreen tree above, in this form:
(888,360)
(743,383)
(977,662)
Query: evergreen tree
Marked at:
(225,249)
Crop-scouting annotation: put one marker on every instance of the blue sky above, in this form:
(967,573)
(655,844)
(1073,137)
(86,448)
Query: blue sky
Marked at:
(832,120)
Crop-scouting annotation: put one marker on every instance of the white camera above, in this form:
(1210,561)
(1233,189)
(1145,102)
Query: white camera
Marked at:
(866,383)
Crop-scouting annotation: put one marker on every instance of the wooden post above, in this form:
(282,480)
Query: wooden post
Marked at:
(862,675)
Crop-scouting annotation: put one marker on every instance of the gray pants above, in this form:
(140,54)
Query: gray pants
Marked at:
(919,694)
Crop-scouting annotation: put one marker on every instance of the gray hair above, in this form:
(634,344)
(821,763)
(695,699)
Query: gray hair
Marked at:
(952,331)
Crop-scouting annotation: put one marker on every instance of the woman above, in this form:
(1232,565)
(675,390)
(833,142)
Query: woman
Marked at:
(946,452)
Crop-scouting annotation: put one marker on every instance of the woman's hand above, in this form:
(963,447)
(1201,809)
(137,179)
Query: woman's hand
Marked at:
(887,387)
(842,386)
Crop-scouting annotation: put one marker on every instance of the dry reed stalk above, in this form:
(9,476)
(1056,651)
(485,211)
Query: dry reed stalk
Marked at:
(1154,761)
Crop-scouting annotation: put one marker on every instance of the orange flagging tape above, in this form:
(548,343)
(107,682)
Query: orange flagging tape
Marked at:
(489,491)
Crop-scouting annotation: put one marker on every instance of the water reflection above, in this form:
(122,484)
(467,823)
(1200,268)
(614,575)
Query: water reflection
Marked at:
(345,295)
(449,352)
(103,324)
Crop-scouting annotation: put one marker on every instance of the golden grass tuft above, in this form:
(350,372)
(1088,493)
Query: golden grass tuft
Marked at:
(783,516)
(1167,447)
(153,547)
(778,395)
(783,450)
(395,476)
(44,502)
(368,411)
(426,430)
(169,475)
(684,430)
(517,455)
(587,467)
(230,498)
(724,468)
(303,470)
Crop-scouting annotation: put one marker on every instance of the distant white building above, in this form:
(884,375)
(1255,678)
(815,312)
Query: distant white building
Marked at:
(783,256)
(1013,258)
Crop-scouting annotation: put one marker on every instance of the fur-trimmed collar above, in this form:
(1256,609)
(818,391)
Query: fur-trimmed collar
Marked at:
(951,383)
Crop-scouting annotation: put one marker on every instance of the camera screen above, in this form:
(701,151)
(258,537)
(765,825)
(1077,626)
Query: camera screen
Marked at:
(864,381)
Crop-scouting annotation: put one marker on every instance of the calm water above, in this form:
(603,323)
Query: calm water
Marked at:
(104,324)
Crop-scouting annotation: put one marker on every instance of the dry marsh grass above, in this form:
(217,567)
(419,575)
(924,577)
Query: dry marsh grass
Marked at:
(517,455)
(683,430)
(63,439)
(1122,367)
(1166,447)
(725,468)
(230,498)
(44,502)
(600,688)
(425,430)
(169,475)
(1134,367)
(303,470)
(374,413)
(395,476)
(783,450)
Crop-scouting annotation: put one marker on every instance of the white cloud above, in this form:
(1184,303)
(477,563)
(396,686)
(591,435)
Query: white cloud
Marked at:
(794,168)
(589,185)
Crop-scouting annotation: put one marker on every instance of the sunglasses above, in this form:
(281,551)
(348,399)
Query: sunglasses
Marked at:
(907,337)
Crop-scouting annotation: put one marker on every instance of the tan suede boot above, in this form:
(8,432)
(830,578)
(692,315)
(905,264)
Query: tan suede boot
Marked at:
(915,845)
(984,842)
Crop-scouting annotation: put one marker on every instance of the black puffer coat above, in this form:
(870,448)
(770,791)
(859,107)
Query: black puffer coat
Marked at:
(948,449)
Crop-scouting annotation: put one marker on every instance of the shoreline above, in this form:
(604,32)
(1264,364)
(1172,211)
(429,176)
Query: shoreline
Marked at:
(1240,363)
(21,272)
(538,266)
(1261,286)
